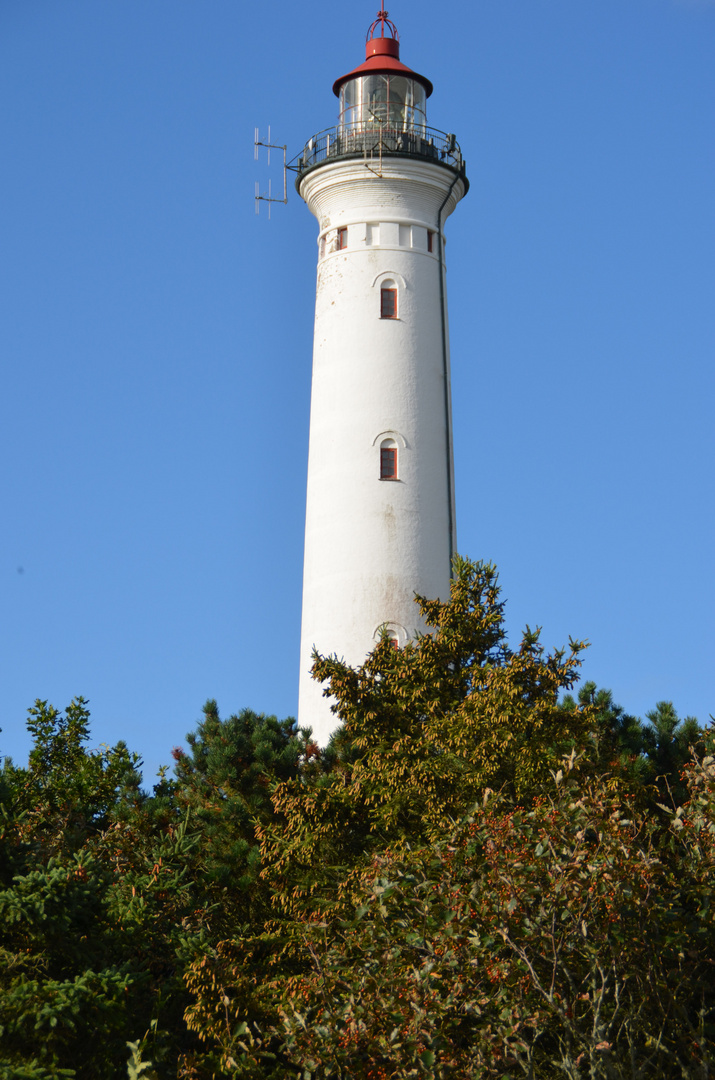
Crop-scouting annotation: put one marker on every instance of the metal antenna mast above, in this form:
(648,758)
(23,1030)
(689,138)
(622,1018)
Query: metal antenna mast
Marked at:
(268,196)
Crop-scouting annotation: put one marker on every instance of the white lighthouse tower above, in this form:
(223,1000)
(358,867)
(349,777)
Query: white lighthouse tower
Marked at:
(380,519)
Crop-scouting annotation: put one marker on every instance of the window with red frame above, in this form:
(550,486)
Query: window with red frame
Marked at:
(430,240)
(388,303)
(342,239)
(388,463)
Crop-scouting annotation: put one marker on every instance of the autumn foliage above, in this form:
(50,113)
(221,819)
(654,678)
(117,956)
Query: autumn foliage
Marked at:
(481,877)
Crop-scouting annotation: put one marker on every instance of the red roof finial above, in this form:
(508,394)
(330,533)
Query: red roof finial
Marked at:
(380,43)
(382,21)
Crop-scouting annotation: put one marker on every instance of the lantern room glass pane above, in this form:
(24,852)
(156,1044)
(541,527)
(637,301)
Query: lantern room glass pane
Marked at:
(382,102)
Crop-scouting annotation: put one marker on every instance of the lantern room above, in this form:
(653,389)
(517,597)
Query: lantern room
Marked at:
(383,93)
(383,112)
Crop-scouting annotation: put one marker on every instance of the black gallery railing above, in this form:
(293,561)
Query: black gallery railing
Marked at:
(376,140)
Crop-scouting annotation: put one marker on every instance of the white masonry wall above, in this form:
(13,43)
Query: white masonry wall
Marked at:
(370,544)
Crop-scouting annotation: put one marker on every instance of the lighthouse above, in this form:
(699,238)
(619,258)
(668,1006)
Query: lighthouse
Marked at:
(380,514)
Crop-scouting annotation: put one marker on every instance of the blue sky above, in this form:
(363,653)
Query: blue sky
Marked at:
(156,336)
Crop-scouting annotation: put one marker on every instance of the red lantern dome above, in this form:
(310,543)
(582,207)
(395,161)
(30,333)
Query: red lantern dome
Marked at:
(382,55)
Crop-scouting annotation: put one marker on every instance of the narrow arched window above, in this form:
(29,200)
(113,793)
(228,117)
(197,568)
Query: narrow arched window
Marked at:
(388,300)
(388,460)
(392,632)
